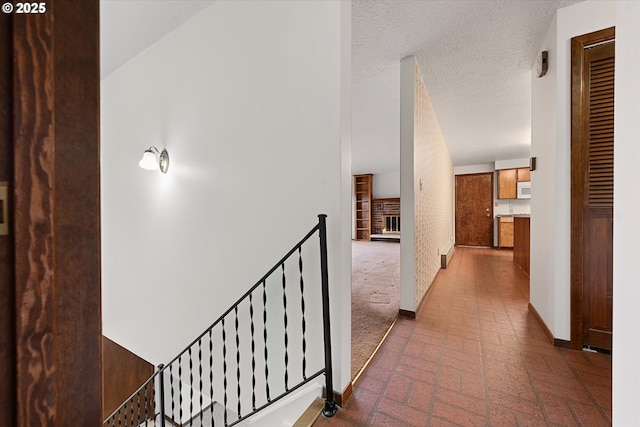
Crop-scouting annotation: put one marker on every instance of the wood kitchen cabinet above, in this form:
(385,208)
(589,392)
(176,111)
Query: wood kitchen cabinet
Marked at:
(505,231)
(521,243)
(523,174)
(507,183)
(508,180)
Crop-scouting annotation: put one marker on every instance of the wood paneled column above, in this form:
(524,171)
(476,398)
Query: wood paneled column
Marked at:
(55,214)
(7,297)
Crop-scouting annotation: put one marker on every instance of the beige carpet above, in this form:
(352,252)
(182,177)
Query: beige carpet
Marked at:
(375,296)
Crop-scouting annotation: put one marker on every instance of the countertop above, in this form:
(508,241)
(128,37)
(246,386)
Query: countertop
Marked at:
(523,215)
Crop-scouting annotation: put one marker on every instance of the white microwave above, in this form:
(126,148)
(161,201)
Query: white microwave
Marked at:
(524,190)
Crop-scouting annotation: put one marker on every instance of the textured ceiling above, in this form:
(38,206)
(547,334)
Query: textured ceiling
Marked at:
(475,58)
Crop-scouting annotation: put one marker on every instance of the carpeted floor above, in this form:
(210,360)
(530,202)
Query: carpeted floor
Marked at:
(375,296)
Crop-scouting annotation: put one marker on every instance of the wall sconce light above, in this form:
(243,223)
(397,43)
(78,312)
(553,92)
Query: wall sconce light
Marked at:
(153,159)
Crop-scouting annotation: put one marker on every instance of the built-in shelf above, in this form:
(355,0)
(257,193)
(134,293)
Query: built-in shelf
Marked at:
(362,188)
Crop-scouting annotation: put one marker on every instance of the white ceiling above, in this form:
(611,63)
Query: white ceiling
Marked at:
(475,57)
(127,27)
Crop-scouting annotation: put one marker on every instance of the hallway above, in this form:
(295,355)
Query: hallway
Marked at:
(476,356)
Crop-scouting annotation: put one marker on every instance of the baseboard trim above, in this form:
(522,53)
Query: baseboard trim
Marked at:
(544,326)
(342,398)
(412,314)
(407,313)
(556,342)
(445,259)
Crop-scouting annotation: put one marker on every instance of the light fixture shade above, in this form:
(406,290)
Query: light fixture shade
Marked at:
(149,160)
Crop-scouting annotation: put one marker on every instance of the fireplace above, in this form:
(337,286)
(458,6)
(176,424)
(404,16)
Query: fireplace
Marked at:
(385,219)
(391,224)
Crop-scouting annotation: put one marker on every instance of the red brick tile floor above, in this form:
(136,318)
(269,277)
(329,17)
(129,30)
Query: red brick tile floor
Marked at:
(476,356)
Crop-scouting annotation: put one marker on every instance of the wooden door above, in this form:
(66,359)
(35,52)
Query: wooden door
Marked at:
(474,209)
(592,132)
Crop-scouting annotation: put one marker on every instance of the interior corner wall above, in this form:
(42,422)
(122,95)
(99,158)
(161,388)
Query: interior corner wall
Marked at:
(247,98)
(431,185)
(342,311)
(386,185)
(626,233)
(550,287)
(407,184)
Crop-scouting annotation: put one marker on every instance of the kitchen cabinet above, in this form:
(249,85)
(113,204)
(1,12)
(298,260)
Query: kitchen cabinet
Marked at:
(521,242)
(523,174)
(508,180)
(507,183)
(505,232)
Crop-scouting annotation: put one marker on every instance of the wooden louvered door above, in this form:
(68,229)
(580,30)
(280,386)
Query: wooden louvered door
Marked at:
(593,58)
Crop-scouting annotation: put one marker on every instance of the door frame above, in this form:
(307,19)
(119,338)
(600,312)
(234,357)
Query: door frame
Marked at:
(578,116)
(52,358)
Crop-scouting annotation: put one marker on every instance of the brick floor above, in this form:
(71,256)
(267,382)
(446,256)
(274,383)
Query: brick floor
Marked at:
(476,356)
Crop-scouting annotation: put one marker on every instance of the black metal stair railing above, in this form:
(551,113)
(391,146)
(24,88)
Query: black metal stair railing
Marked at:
(207,383)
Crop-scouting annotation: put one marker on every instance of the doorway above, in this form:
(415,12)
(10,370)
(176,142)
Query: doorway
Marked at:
(474,209)
(375,269)
(592,134)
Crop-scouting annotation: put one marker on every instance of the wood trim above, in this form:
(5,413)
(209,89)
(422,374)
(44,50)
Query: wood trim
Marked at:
(56,210)
(407,313)
(578,186)
(556,342)
(7,280)
(544,326)
(34,276)
(386,199)
(445,259)
(561,343)
(343,398)
(413,314)
(123,373)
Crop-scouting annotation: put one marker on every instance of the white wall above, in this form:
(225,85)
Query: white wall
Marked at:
(464,170)
(407,185)
(626,233)
(249,99)
(341,289)
(550,183)
(376,121)
(386,185)
(511,163)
